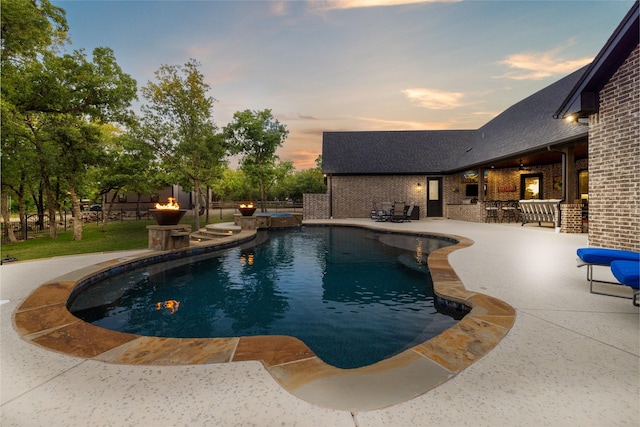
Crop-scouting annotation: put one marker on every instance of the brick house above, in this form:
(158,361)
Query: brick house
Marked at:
(440,171)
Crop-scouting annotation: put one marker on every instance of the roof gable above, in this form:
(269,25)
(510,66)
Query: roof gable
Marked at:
(583,98)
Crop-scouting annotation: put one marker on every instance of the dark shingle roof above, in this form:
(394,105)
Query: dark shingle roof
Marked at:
(391,152)
(524,127)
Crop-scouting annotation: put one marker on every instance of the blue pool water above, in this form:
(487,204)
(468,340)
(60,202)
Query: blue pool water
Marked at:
(354,296)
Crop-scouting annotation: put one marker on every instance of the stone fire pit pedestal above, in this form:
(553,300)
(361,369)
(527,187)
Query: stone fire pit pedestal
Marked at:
(168,237)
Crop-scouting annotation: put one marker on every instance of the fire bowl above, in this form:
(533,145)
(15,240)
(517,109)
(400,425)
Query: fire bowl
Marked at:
(246,211)
(167,216)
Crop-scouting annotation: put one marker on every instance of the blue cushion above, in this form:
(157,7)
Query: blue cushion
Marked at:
(605,256)
(627,272)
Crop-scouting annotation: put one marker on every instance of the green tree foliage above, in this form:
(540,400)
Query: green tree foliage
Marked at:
(127,165)
(30,28)
(234,185)
(178,124)
(296,183)
(256,135)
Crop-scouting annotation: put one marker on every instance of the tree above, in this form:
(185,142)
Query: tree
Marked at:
(256,135)
(297,183)
(79,146)
(126,165)
(178,124)
(234,185)
(55,97)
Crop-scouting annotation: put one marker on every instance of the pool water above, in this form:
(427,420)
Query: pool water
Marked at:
(354,296)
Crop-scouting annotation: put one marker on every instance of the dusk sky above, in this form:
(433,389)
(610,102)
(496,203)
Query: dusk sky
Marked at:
(353,64)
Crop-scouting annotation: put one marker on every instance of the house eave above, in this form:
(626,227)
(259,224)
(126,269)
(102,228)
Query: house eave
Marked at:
(583,100)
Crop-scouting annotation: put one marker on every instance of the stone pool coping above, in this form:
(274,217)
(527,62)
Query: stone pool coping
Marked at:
(43,319)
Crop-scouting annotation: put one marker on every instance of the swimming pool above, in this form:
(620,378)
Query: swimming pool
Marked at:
(354,296)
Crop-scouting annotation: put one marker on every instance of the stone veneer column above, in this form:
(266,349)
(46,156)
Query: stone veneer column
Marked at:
(571,218)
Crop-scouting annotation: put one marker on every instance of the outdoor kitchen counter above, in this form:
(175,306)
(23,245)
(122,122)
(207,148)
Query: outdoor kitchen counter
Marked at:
(465,212)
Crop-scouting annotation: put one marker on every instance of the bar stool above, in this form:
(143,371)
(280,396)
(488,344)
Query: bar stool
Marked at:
(510,211)
(492,207)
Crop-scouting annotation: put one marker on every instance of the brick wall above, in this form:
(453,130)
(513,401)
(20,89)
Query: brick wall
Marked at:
(614,161)
(315,206)
(356,196)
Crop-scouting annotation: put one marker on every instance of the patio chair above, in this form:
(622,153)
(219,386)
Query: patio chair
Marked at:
(384,214)
(399,212)
(603,257)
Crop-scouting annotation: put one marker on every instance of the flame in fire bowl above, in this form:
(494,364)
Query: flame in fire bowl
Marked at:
(167,216)
(247,210)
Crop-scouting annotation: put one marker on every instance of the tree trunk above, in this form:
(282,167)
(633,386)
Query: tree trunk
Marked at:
(77,214)
(51,208)
(106,215)
(263,201)
(196,188)
(206,203)
(6,216)
(39,202)
(22,203)
(138,216)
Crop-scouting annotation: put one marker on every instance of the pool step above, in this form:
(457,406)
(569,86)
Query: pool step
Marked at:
(214,231)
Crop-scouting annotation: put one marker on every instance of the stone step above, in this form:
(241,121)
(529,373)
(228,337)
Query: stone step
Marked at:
(223,226)
(214,231)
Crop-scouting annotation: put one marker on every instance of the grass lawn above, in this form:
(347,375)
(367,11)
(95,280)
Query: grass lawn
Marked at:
(119,236)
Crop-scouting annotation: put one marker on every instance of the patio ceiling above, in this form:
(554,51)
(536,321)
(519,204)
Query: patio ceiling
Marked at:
(542,157)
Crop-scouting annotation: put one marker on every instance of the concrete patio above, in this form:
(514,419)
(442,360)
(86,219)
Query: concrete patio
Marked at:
(572,358)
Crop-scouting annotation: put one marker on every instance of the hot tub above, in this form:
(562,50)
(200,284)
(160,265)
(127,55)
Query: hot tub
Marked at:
(269,220)
(279,219)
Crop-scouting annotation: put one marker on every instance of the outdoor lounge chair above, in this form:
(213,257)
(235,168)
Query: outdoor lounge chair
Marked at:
(590,257)
(628,273)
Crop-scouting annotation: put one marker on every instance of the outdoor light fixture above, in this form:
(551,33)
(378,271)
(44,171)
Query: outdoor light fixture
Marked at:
(419,185)
(576,120)
(521,165)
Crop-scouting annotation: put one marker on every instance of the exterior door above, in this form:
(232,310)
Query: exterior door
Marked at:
(434,197)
